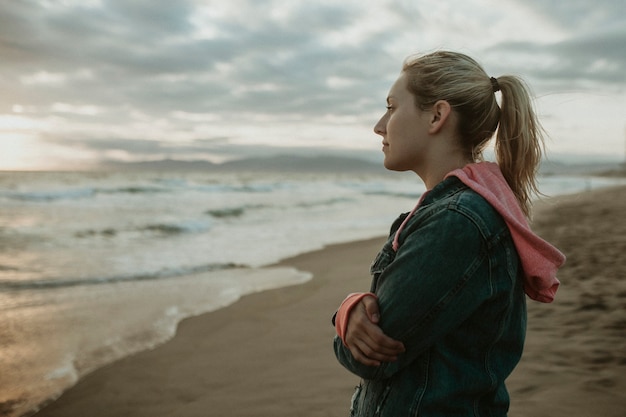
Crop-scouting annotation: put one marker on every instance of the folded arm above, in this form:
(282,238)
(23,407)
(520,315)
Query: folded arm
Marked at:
(425,292)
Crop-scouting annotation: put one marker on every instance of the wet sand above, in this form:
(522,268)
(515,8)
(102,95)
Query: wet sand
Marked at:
(270,354)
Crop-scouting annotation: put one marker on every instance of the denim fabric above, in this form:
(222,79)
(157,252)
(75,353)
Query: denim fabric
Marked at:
(453,294)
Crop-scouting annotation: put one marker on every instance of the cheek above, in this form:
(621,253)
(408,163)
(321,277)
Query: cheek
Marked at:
(392,127)
(398,132)
(399,122)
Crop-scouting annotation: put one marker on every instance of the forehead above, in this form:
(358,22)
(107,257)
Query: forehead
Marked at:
(399,88)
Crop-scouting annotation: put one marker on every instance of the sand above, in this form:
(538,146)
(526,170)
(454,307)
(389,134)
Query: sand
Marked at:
(270,354)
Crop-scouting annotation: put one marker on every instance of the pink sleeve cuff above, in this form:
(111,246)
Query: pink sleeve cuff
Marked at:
(341,319)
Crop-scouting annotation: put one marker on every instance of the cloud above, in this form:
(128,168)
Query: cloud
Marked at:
(581,15)
(590,54)
(217,149)
(150,56)
(271,72)
(598,58)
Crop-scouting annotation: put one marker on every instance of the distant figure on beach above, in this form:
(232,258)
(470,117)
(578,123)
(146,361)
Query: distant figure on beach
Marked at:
(445,319)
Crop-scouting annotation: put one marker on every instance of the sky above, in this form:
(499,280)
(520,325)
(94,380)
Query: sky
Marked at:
(83,81)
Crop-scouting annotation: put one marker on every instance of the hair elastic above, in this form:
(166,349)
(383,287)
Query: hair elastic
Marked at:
(494,84)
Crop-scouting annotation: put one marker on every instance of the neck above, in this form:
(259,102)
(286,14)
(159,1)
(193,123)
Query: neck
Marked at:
(436,169)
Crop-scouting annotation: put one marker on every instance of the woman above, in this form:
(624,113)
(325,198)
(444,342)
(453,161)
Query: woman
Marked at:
(444,322)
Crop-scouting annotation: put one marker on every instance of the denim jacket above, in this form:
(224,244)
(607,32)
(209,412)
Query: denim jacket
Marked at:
(453,294)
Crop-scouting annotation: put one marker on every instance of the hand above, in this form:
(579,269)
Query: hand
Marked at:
(365,339)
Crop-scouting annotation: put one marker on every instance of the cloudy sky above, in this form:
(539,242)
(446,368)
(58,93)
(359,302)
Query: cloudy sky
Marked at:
(85,80)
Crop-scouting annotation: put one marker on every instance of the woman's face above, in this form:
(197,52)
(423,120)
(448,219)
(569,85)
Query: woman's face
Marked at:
(404,129)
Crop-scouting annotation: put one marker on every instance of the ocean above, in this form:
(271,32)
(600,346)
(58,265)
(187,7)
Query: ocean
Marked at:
(95,266)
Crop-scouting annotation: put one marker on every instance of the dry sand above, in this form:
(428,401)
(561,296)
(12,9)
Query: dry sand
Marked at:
(270,354)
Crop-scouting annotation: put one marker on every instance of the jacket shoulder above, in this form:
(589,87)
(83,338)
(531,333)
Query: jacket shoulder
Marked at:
(472,205)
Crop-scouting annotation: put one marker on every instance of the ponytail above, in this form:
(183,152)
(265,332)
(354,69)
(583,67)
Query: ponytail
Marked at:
(519,141)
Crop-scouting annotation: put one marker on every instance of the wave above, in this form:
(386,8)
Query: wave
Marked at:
(108,232)
(74,282)
(162,187)
(409,195)
(163,229)
(132,190)
(380,189)
(227,212)
(176,229)
(265,187)
(51,195)
(77,193)
(322,203)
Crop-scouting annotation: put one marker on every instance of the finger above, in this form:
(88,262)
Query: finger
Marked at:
(362,357)
(368,348)
(382,343)
(371,308)
(366,340)
(377,356)
(370,304)
(370,354)
(373,337)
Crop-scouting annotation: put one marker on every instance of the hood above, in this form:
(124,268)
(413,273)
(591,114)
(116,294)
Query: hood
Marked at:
(540,260)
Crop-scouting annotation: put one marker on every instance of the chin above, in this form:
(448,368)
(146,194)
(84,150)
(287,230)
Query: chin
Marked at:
(391,166)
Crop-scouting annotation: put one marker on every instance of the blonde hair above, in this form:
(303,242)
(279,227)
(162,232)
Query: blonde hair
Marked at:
(462,82)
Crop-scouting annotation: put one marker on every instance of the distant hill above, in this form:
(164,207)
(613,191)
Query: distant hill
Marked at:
(278,163)
(562,168)
(161,165)
(326,163)
(288,163)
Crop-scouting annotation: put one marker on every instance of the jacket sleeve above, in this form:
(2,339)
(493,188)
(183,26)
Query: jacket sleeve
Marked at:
(435,282)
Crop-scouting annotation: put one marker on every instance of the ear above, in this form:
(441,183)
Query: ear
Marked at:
(440,113)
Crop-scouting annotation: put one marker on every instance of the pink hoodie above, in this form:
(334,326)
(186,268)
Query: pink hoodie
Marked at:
(540,260)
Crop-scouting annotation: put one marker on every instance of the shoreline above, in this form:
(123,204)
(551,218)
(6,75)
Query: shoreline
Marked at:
(270,353)
(253,316)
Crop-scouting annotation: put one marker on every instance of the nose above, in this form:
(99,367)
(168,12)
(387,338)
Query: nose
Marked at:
(380,128)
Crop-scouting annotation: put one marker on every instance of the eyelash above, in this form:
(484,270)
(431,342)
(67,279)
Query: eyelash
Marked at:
(389,107)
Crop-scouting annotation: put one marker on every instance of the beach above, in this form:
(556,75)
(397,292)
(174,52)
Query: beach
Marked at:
(270,353)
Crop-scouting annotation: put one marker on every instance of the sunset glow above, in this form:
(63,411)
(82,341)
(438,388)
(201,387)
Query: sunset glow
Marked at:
(226,80)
